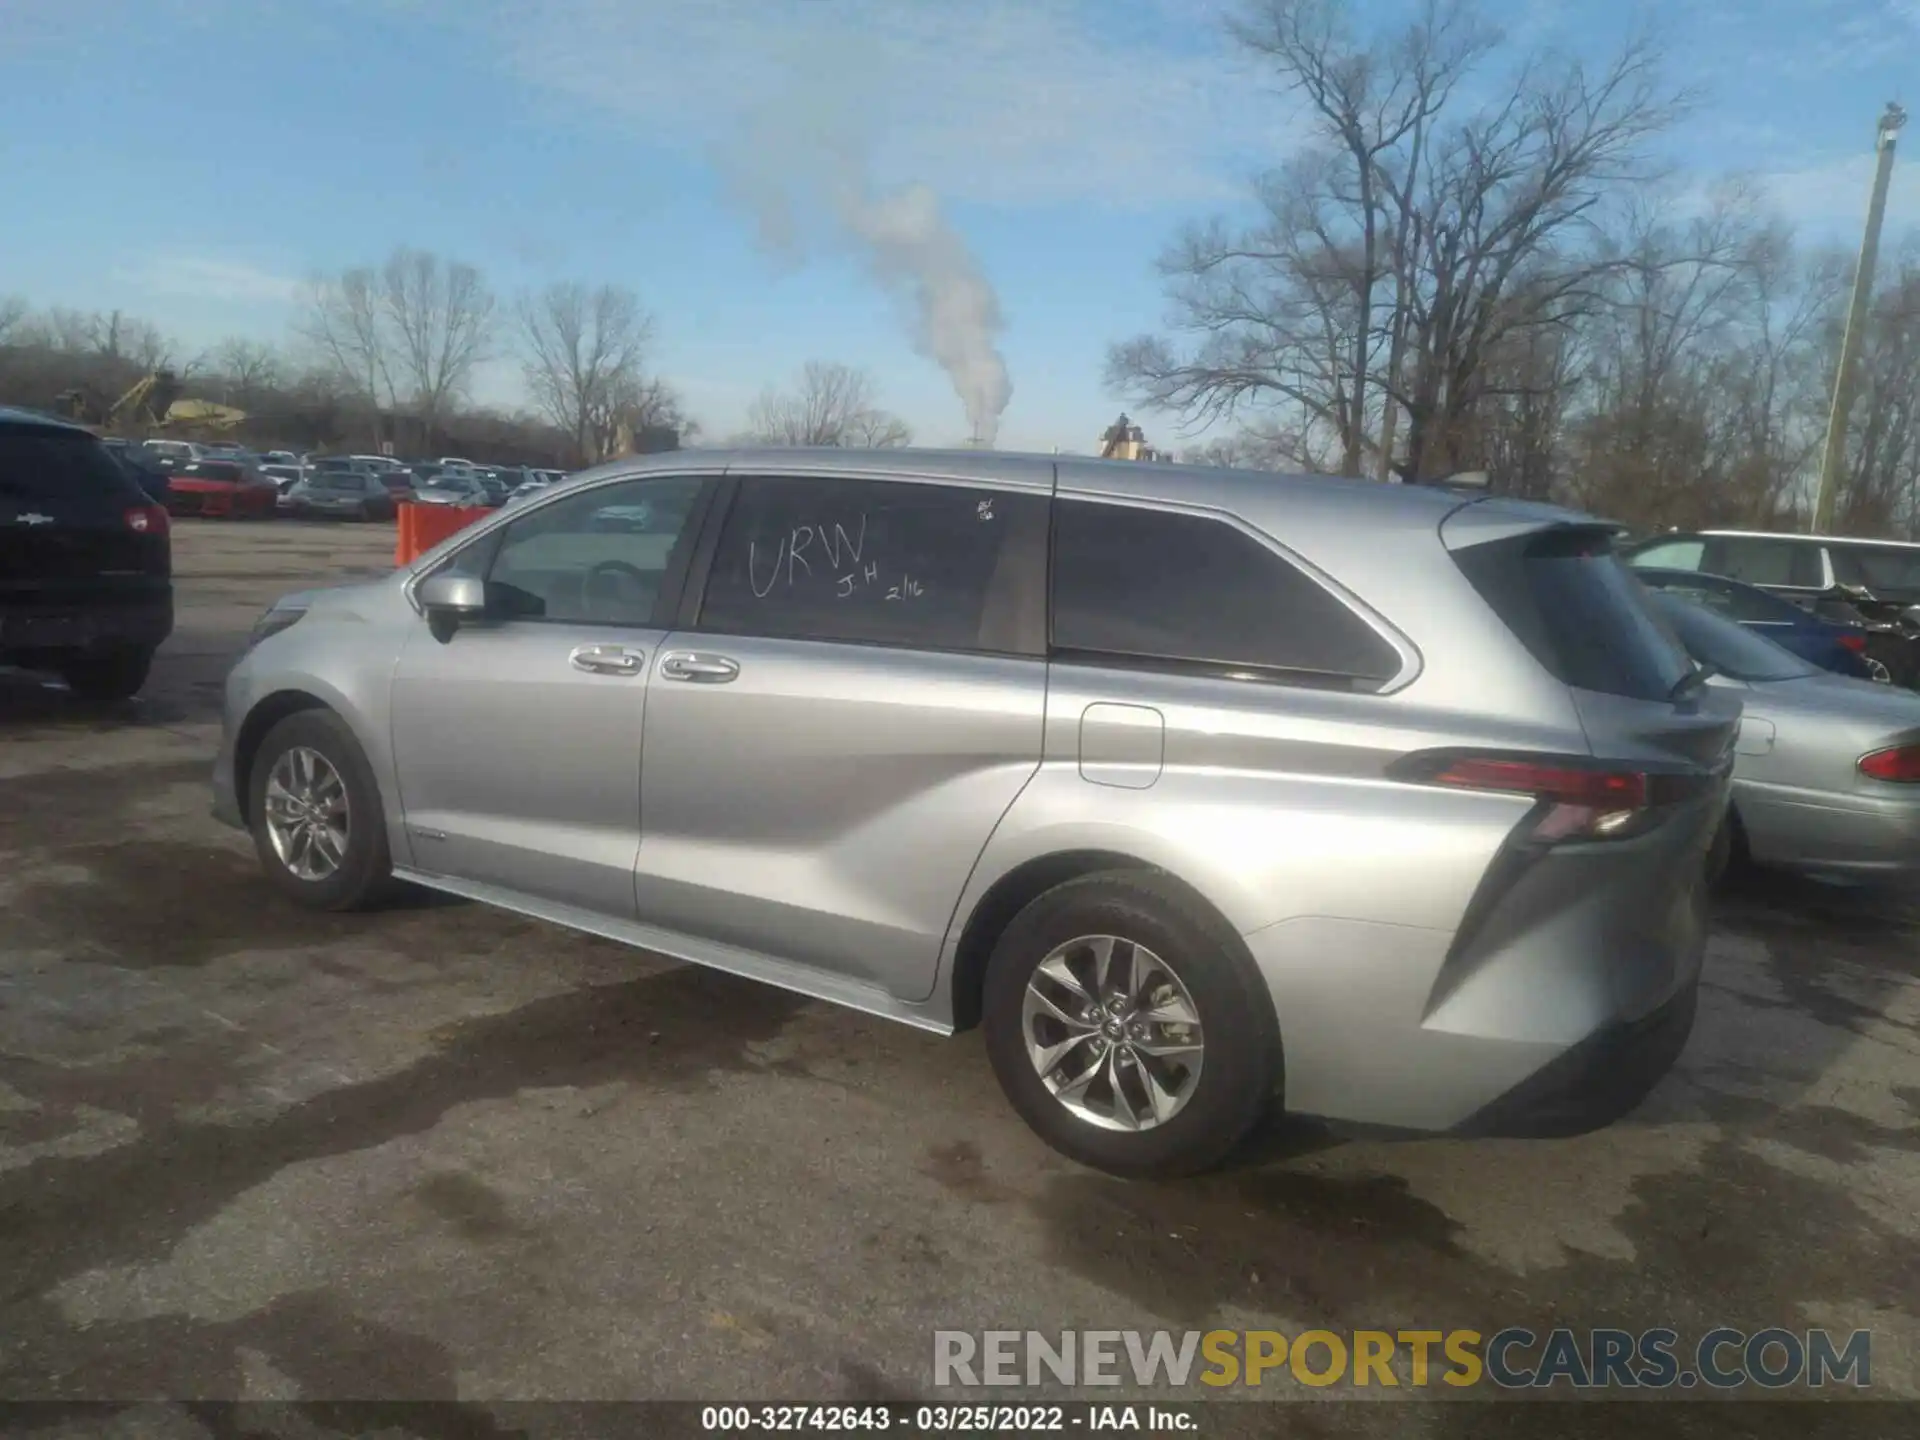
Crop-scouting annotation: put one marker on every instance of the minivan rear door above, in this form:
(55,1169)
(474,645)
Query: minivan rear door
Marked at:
(1580,611)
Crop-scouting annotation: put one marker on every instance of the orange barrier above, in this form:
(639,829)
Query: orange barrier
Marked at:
(422,527)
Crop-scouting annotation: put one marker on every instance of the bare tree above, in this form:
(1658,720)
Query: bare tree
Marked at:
(440,317)
(831,404)
(586,353)
(1409,244)
(70,332)
(121,337)
(13,314)
(634,408)
(344,325)
(244,369)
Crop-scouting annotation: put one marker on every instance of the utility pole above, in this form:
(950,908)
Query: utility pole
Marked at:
(1834,456)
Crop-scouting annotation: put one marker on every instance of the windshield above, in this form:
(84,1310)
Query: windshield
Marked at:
(1732,650)
(1892,568)
(336,480)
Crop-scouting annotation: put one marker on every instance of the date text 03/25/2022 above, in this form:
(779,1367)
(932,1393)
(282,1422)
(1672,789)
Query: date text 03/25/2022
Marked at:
(919,1419)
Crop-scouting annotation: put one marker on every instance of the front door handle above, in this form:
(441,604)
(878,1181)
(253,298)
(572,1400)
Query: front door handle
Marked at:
(607,660)
(698,667)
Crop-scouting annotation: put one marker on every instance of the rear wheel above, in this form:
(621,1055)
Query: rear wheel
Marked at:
(1128,1027)
(1729,861)
(104,676)
(318,825)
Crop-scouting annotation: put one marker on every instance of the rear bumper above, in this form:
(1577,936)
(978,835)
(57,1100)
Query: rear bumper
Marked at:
(30,631)
(1573,963)
(1597,1081)
(1869,837)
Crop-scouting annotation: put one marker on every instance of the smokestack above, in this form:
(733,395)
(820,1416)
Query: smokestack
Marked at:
(923,261)
(811,145)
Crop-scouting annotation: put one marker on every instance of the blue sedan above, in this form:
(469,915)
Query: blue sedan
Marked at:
(1839,648)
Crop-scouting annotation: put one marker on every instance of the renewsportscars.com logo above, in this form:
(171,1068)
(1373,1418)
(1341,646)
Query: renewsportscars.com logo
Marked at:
(1723,1358)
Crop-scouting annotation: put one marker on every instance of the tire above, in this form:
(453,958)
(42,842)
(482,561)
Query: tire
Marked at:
(1720,854)
(1730,862)
(1222,1098)
(362,873)
(102,677)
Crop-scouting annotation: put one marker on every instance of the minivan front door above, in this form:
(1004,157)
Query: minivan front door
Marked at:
(517,739)
(832,741)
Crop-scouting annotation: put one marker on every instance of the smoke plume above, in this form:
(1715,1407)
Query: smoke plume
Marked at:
(804,155)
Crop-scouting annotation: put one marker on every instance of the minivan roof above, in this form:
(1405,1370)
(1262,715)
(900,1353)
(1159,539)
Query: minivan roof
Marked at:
(1332,498)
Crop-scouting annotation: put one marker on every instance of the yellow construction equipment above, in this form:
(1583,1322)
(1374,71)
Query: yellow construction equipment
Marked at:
(1124,440)
(151,405)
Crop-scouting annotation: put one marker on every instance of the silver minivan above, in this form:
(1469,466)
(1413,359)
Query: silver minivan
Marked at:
(1202,791)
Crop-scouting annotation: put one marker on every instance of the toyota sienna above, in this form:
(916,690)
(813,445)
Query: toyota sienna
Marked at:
(1201,791)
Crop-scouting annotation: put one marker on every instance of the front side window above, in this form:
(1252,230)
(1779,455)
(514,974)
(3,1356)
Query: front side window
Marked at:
(936,567)
(576,561)
(1135,583)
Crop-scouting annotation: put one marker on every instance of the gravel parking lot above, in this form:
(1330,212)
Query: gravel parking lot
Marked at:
(442,1152)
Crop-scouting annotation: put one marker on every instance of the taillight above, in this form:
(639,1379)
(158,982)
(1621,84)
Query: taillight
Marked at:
(149,519)
(1849,640)
(1578,798)
(1900,764)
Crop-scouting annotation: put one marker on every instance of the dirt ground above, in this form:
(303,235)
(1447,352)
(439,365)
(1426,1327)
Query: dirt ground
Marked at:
(445,1153)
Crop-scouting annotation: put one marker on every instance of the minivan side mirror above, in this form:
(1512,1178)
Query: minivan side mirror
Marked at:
(450,601)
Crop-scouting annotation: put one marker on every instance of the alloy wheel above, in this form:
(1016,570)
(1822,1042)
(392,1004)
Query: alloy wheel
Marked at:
(1113,1033)
(307,813)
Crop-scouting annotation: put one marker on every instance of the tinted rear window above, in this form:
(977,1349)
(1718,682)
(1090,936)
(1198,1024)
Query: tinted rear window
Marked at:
(1579,611)
(1153,585)
(1895,568)
(52,467)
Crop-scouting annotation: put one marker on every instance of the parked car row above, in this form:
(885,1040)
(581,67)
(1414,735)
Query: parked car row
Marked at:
(194,478)
(1869,588)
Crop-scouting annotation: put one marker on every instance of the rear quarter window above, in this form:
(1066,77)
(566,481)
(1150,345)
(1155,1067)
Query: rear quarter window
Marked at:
(1579,611)
(1149,585)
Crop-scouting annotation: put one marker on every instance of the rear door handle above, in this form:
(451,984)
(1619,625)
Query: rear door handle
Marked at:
(698,667)
(607,660)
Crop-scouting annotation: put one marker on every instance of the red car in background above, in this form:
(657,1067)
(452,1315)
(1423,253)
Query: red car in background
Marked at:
(221,487)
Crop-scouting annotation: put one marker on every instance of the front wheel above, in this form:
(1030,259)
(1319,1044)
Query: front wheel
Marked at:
(318,825)
(1129,1027)
(105,676)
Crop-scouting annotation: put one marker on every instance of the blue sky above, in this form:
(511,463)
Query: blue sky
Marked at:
(193,161)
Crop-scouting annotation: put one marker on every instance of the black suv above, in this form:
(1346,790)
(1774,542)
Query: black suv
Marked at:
(86,566)
(1875,583)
